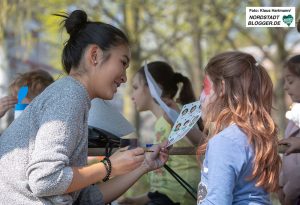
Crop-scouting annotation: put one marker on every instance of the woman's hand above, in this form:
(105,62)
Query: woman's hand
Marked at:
(124,161)
(7,103)
(293,144)
(157,158)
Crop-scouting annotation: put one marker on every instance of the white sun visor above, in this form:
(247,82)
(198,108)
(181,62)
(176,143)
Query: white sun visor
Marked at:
(103,115)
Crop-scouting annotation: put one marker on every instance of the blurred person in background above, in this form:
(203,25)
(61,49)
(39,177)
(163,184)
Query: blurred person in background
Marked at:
(36,81)
(164,189)
(289,193)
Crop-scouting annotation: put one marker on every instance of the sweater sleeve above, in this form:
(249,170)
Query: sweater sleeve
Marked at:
(49,172)
(222,167)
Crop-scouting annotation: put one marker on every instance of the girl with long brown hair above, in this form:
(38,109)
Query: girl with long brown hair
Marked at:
(241,164)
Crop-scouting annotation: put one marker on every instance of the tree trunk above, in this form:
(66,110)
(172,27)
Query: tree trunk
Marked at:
(279,88)
(197,62)
(131,22)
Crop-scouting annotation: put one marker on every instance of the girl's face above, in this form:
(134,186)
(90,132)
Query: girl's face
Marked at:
(141,96)
(110,74)
(208,94)
(292,85)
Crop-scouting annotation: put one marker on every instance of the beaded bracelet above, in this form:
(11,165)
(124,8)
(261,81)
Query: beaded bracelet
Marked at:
(107,164)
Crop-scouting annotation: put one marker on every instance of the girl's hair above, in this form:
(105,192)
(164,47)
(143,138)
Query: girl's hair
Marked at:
(164,75)
(36,81)
(83,33)
(293,64)
(243,92)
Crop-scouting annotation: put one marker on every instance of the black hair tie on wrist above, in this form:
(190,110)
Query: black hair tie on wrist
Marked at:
(107,163)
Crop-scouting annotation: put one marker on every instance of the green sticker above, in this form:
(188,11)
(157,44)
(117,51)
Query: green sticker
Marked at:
(288,19)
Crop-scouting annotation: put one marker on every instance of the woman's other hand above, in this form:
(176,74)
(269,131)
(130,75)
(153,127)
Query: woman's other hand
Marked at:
(157,158)
(124,161)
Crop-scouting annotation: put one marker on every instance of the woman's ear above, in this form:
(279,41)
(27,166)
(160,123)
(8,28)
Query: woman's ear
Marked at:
(93,55)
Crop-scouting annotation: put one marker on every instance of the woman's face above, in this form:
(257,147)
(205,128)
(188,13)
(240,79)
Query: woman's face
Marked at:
(109,74)
(292,85)
(141,96)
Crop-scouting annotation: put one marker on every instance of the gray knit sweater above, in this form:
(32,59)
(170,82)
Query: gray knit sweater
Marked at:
(39,148)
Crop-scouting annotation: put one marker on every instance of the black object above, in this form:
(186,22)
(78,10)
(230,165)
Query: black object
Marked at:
(182,182)
(157,198)
(99,138)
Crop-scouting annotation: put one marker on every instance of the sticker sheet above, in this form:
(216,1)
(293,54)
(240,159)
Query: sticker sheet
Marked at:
(189,115)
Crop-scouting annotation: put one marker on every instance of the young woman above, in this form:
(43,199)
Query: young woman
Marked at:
(161,182)
(44,152)
(241,164)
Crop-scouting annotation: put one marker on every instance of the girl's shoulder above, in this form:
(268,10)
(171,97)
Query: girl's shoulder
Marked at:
(231,140)
(230,135)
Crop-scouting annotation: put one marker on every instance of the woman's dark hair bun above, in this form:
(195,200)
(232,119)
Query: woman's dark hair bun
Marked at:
(76,21)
